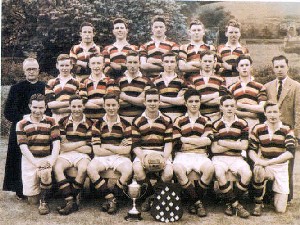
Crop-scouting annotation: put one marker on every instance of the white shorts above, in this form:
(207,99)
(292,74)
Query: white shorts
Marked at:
(112,161)
(137,159)
(230,163)
(191,161)
(74,157)
(31,176)
(279,173)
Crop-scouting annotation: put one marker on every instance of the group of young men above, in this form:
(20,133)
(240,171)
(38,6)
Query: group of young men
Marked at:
(130,102)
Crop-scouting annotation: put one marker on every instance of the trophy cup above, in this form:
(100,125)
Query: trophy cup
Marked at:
(134,192)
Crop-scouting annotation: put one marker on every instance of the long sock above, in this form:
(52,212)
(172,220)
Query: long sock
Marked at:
(77,187)
(66,189)
(241,188)
(191,191)
(45,191)
(201,188)
(101,186)
(228,193)
(150,189)
(259,191)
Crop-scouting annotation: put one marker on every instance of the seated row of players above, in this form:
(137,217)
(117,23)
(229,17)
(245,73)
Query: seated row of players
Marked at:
(152,51)
(111,139)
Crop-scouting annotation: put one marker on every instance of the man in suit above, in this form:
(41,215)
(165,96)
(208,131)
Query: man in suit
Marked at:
(286,92)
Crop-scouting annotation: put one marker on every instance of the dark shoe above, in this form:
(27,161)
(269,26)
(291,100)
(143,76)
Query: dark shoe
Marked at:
(192,209)
(105,206)
(200,210)
(112,206)
(241,211)
(229,210)
(69,208)
(44,208)
(257,211)
(146,205)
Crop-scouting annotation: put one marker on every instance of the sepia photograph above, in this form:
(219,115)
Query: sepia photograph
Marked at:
(150,111)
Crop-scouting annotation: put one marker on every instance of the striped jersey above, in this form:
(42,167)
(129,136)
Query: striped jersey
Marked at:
(171,90)
(154,135)
(225,54)
(271,146)
(55,91)
(149,50)
(214,84)
(112,54)
(78,52)
(96,90)
(190,53)
(134,88)
(83,131)
(37,136)
(238,130)
(183,127)
(253,93)
(103,134)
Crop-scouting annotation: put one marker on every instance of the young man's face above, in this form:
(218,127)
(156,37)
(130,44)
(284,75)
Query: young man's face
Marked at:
(132,64)
(111,107)
(64,67)
(96,64)
(38,109)
(197,32)
(233,34)
(158,29)
(169,63)
(228,107)
(77,108)
(31,71)
(272,114)
(207,63)
(280,69)
(87,34)
(193,104)
(244,68)
(120,31)
(152,103)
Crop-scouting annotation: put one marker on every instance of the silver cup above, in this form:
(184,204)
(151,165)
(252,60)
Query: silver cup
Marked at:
(134,192)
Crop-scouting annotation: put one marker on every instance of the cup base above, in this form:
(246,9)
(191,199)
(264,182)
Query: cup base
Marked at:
(133,217)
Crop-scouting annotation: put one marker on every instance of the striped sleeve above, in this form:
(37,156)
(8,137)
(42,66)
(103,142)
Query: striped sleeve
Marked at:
(244,130)
(54,131)
(168,137)
(143,50)
(262,95)
(128,133)
(112,87)
(290,142)
(177,130)
(136,134)
(49,91)
(96,139)
(208,131)
(21,134)
(253,140)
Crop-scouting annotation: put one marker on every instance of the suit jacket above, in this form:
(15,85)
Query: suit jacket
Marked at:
(289,102)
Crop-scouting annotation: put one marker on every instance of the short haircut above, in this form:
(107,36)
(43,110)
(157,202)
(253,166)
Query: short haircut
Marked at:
(233,23)
(207,52)
(158,18)
(111,96)
(151,91)
(62,57)
(269,104)
(37,97)
(96,55)
(169,53)
(120,20)
(30,60)
(226,97)
(132,53)
(196,22)
(241,57)
(87,24)
(191,92)
(75,97)
(280,57)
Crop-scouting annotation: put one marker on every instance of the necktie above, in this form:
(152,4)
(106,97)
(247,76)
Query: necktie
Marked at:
(279,89)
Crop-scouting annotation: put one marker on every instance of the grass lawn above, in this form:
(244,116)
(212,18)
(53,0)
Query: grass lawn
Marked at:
(14,212)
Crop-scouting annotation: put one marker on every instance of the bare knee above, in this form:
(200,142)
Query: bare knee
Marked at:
(258,174)
(167,174)
(139,171)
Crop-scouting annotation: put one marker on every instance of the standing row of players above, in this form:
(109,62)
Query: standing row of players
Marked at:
(113,137)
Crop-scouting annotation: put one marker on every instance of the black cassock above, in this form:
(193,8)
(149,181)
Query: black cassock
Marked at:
(15,108)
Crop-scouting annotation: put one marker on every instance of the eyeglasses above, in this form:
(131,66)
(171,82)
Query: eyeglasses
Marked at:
(32,69)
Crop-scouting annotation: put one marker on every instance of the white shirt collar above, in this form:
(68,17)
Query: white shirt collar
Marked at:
(106,120)
(82,121)
(235,119)
(81,45)
(237,46)
(277,128)
(144,115)
(28,118)
(283,81)
(139,74)
(93,79)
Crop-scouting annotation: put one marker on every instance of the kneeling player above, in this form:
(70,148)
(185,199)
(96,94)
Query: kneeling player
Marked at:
(272,145)
(152,133)
(76,133)
(111,143)
(193,133)
(38,138)
(230,138)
